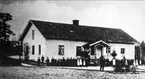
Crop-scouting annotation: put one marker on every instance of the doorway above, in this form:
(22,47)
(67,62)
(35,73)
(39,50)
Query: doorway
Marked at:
(98,51)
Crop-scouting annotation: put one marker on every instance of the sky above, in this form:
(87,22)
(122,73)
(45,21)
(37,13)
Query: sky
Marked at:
(126,15)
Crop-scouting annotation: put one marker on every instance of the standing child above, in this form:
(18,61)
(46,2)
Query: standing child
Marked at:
(38,61)
(47,61)
(42,59)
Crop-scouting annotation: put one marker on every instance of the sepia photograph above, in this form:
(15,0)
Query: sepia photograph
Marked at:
(72,39)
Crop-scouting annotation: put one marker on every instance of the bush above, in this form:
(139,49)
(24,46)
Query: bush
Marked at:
(26,58)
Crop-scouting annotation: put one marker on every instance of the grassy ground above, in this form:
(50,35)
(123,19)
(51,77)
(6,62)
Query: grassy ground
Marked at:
(17,72)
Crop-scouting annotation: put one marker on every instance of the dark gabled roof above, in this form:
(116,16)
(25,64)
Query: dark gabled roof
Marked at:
(63,31)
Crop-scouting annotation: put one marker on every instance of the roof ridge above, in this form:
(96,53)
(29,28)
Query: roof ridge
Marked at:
(72,24)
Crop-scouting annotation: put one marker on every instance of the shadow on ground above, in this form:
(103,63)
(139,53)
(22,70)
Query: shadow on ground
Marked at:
(7,61)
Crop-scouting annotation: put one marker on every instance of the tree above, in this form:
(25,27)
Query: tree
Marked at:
(142,49)
(5,33)
(14,48)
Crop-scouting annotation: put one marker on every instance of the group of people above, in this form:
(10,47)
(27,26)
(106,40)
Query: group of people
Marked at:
(39,61)
(122,63)
(119,65)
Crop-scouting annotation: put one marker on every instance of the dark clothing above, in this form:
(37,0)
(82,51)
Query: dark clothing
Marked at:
(118,66)
(53,62)
(42,59)
(38,61)
(47,61)
(63,62)
(102,63)
(123,62)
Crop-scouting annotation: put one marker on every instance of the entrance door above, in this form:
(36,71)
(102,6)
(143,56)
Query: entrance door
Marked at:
(98,51)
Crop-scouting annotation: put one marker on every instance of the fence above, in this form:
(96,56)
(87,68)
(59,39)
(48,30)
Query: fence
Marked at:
(74,62)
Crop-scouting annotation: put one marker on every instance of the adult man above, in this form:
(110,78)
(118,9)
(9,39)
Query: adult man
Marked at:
(102,63)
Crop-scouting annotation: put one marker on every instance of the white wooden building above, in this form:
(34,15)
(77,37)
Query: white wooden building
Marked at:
(58,40)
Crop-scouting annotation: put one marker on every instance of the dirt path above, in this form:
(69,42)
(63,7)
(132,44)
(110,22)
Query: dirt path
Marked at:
(61,73)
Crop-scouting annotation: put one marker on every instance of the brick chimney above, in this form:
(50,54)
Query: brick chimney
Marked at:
(75,22)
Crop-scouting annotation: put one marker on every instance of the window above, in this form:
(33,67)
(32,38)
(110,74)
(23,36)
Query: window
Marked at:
(39,50)
(27,50)
(33,32)
(92,50)
(61,50)
(122,50)
(108,50)
(33,49)
(78,50)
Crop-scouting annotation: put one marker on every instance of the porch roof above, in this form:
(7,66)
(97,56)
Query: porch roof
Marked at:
(102,43)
